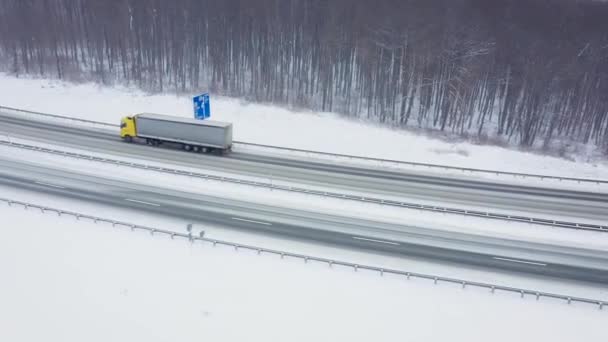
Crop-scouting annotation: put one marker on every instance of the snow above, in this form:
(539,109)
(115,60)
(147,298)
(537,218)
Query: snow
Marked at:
(68,280)
(265,124)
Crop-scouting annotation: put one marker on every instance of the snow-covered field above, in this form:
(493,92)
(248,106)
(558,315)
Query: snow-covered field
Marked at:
(68,280)
(271,125)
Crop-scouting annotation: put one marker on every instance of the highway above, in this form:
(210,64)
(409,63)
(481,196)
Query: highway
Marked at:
(454,191)
(424,242)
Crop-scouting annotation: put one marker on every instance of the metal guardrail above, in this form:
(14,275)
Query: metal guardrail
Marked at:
(388,161)
(306,258)
(53,116)
(365,199)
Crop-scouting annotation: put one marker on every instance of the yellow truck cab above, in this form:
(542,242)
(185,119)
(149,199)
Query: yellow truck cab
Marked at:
(127,128)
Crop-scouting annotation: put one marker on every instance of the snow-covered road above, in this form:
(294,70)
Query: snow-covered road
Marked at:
(571,262)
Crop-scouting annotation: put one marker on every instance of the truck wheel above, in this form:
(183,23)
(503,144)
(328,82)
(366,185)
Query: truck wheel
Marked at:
(128,139)
(196,149)
(187,147)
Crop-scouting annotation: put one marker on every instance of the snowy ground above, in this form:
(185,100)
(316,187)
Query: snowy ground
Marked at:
(75,281)
(275,126)
(65,280)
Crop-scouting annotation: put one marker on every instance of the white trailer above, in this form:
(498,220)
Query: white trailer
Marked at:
(191,134)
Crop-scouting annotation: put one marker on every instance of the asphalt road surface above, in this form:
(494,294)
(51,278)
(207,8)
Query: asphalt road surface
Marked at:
(425,242)
(449,190)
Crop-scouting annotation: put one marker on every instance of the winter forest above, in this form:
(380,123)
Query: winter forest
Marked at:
(527,72)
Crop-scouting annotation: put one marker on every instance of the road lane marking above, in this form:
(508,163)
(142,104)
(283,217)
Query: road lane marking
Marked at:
(252,221)
(520,261)
(142,202)
(378,241)
(51,185)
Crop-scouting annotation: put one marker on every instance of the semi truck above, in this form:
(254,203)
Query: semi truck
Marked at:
(190,134)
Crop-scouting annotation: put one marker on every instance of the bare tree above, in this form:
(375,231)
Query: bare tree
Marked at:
(528,72)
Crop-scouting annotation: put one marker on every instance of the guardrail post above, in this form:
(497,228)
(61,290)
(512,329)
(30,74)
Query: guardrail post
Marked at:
(408,275)
(381,272)
(152,231)
(330,263)
(356,268)
(306,260)
(464,283)
(492,289)
(601,304)
(282,255)
(569,300)
(214,243)
(522,294)
(537,296)
(259,251)
(435,281)
(236,247)
(132,227)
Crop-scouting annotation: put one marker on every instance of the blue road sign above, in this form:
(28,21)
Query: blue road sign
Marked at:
(202,110)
